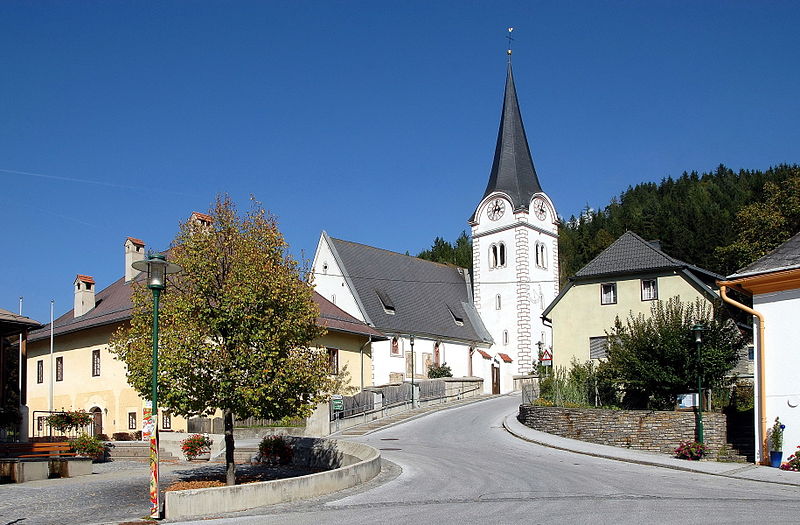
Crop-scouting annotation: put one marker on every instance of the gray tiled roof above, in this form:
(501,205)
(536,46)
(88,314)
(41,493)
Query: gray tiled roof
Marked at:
(512,169)
(422,293)
(784,257)
(632,254)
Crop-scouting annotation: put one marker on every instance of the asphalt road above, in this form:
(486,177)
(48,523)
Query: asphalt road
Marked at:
(460,466)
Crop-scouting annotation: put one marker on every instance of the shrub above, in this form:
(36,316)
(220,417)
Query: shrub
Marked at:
(692,450)
(776,435)
(580,385)
(122,436)
(195,445)
(793,463)
(435,371)
(86,445)
(275,450)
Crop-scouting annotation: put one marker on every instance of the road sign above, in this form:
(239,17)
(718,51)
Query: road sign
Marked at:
(337,401)
(547,357)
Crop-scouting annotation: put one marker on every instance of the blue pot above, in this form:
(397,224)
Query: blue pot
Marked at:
(775,457)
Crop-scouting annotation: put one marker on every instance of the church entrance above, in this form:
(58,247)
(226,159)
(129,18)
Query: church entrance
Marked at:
(495,379)
(97,421)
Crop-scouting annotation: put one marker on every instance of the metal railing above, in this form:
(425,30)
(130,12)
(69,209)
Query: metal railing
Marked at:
(42,430)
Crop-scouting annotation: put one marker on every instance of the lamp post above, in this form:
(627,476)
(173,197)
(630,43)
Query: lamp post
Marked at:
(698,330)
(157,269)
(411,339)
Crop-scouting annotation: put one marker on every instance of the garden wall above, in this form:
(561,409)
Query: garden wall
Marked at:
(637,429)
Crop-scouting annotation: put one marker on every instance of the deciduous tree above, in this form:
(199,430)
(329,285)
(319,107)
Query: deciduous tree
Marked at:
(236,326)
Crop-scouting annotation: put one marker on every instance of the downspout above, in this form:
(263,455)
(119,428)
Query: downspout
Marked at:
(762,396)
(361,351)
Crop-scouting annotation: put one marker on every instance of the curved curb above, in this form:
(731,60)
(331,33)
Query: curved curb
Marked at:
(645,462)
(215,500)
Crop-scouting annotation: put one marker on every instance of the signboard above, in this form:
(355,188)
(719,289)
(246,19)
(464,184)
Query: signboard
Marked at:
(148,424)
(547,358)
(687,401)
(337,401)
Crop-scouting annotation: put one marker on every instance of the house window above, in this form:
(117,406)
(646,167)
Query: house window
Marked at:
(59,368)
(131,420)
(333,361)
(40,371)
(649,289)
(497,302)
(437,349)
(395,346)
(333,298)
(386,302)
(502,258)
(493,256)
(95,363)
(166,421)
(325,267)
(505,337)
(598,347)
(40,422)
(608,293)
(751,353)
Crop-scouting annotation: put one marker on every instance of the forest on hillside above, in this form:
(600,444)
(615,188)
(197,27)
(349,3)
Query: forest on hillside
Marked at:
(720,221)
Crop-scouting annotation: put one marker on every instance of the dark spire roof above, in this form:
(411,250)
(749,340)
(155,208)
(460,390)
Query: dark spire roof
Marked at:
(512,170)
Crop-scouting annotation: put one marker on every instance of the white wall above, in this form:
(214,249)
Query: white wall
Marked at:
(330,283)
(781,312)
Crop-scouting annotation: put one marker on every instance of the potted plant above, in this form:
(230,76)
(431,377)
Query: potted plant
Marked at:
(776,443)
(274,450)
(691,450)
(89,447)
(197,446)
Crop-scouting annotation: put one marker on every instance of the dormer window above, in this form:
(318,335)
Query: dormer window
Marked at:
(388,305)
(456,319)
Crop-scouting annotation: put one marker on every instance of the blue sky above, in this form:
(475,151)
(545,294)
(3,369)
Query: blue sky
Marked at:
(375,121)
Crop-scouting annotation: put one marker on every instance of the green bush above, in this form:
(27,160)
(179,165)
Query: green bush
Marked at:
(275,450)
(582,385)
(435,371)
(86,445)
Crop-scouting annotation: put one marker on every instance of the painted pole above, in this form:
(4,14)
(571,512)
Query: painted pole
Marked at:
(52,360)
(19,372)
(155,507)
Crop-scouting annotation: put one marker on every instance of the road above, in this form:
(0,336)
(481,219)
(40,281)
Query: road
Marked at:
(460,466)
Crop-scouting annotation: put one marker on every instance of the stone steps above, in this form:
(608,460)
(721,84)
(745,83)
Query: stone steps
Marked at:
(135,451)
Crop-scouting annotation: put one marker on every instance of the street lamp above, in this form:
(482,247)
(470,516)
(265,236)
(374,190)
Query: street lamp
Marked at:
(157,269)
(411,339)
(698,330)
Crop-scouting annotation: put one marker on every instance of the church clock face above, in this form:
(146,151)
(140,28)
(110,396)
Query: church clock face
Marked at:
(496,209)
(539,208)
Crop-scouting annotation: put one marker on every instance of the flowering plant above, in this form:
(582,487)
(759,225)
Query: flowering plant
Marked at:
(86,445)
(275,450)
(692,450)
(69,420)
(195,445)
(776,435)
(793,463)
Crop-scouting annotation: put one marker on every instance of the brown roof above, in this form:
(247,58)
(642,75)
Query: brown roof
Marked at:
(113,305)
(484,354)
(85,278)
(202,216)
(334,318)
(11,323)
(505,357)
(137,242)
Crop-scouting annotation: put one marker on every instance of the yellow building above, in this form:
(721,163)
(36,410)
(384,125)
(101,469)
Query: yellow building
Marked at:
(625,278)
(81,373)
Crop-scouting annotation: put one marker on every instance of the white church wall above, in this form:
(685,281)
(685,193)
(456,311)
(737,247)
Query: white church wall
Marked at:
(329,281)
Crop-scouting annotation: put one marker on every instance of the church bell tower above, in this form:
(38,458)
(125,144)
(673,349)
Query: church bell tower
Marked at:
(515,245)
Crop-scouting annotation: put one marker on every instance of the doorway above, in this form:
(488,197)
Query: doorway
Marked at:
(97,421)
(495,379)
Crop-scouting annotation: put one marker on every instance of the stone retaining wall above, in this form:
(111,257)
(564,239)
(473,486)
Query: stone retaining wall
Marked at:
(637,429)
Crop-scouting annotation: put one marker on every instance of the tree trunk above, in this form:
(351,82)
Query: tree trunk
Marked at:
(230,466)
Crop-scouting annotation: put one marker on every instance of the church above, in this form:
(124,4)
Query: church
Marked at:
(485,322)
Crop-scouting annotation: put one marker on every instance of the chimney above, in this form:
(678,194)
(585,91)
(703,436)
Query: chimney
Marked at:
(200,220)
(134,251)
(84,294)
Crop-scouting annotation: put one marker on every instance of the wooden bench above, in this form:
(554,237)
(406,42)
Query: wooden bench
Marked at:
(61,449)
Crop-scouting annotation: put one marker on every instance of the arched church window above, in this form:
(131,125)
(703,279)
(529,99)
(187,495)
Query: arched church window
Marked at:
(505,337)
(502,250)
(493,256)
(541,255)
(497,302)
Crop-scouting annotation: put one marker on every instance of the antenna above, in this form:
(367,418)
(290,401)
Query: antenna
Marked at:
(510,40)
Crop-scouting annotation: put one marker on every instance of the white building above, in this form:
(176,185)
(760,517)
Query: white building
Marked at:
(487,324)
(774,283)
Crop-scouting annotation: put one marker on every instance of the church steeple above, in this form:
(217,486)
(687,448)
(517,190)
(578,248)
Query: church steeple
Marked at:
(512,170)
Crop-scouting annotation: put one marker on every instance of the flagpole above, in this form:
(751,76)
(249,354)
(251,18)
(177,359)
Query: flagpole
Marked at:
(52,361)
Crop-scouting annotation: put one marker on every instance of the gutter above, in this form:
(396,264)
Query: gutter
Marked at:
(762,396)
